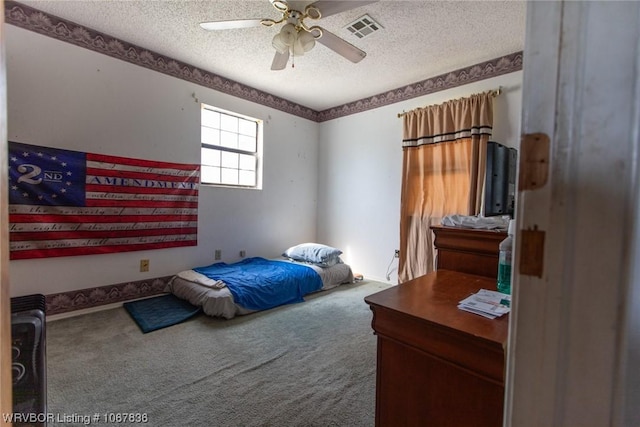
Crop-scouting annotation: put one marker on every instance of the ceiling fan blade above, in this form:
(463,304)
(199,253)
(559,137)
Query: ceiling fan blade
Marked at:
(280,61)
(228,25)
(297,5)
(329,7)
(341,46)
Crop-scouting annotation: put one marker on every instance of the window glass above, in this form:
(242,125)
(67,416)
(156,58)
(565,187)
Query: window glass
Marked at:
(229,139)
(229,123)
(246,143)
(247,128)
(247,163)
(230,149)
(210,118)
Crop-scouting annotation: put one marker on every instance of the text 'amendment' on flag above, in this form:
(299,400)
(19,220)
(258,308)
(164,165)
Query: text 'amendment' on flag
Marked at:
(64,203)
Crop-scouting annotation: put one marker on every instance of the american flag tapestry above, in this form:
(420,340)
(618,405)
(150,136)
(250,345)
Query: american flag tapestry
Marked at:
(65,203)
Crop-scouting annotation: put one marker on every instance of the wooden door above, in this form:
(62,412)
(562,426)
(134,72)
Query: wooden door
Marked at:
(572,327)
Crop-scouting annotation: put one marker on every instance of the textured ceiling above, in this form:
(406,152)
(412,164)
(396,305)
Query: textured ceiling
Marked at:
(419,40)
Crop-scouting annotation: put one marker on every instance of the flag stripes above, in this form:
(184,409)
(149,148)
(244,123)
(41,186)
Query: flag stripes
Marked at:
(65,203)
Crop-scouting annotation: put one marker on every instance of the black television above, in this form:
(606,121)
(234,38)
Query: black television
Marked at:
(500,180)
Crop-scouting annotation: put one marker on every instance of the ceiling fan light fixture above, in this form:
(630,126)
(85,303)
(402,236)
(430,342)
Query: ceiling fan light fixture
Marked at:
(293,39)
(306,40)
(297,49)
(285,39)
(288,34)
(278,44)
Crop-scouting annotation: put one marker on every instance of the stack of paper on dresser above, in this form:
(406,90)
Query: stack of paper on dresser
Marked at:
(486,303)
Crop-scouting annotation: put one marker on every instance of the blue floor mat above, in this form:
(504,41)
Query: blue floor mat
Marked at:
(160,312)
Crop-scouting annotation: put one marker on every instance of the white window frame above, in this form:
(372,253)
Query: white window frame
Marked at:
(217,146)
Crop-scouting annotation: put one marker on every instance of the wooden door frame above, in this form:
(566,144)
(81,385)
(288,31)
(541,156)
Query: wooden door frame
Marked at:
(570,324)
(6,404)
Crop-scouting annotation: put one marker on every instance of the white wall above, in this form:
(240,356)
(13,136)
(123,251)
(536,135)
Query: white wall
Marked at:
(360,173)
(63,96)
(336,182)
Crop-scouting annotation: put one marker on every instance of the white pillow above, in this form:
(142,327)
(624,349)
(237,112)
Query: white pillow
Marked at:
(315,253)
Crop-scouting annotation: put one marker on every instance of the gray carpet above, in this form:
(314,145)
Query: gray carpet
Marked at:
(307,364)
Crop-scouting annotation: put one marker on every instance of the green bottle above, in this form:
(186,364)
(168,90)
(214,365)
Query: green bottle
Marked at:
(504,260)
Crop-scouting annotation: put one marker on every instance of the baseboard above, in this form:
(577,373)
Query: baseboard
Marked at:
(96,309)
(82,301)
(379,279)
(90,298)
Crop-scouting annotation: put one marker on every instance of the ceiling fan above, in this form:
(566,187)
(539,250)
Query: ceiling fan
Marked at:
(295,37)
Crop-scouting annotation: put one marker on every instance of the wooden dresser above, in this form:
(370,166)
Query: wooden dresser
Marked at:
(437,365)
(468,250)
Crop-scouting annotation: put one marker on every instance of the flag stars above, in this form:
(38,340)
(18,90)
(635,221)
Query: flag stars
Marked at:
(63,190)
(63,164)
(25,154)
(25,194)
(14,187)
(54,158)
(68,183)
(69,173)
(14,159)
(40,154)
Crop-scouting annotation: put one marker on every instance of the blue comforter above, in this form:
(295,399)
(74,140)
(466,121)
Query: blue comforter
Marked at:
(260,284)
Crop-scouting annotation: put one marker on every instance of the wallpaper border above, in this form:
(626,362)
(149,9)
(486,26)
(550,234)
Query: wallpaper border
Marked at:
(32,19)
(93,297)
(485,70)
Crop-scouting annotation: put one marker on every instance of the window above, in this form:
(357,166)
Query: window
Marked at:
(230,149)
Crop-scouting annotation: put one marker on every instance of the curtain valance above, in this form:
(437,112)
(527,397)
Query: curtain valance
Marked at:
(450,121)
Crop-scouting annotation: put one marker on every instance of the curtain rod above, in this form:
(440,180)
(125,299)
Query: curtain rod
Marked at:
(494,92)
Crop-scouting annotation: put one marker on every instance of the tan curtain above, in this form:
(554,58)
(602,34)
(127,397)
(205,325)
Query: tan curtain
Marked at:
(444,155)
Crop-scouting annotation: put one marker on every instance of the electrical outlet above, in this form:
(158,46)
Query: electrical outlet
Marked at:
(397,253)
(243,253)
(144,265)
(217,254)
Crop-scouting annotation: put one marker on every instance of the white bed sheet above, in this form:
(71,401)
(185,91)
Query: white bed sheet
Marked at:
(203,292)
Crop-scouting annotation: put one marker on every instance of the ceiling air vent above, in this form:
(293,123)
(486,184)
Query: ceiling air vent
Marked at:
(363,27)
